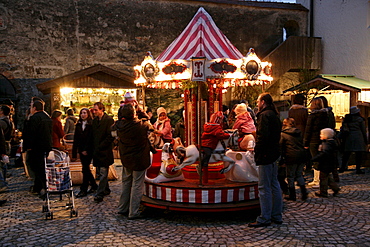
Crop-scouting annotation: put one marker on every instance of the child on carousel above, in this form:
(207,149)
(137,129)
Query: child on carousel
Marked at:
(244,124)
(213,133)
(162,128)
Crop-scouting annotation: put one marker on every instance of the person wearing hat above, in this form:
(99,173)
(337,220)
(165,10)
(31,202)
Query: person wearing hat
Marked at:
(355,141)
(244,122)
(130,99)
(162,128)
(327,159)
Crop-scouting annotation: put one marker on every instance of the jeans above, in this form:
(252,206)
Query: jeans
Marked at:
(103,183)
(2,174)
(326,180)
(132,191)
(295,171)
(271,200)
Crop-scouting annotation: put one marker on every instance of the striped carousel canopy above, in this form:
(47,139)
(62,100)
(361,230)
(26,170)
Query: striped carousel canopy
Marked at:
(201,38)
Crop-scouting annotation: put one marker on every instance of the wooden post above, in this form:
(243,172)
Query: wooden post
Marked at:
(353,98)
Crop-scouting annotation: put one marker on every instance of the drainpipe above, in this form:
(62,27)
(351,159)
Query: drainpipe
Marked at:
(311,18)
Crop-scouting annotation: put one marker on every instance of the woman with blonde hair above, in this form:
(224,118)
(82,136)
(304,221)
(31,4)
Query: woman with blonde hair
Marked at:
(317,120)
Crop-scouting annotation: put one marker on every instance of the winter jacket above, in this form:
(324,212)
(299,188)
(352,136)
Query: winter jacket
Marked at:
(327,156)
(244,123)
(82,139)
(212,133)
(134,147)
(166,131)
(356,139)
(291,143)
(300,114)
(316,121)
(102,141)
(57,133)
(331,117)
(267,149)
(69,126)
(39,129)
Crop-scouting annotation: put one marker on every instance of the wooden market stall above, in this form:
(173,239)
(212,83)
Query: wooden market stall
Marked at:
(341,91)
(85,87)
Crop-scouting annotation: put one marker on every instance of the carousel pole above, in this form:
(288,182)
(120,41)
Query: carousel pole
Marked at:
(143,96)
(199,127)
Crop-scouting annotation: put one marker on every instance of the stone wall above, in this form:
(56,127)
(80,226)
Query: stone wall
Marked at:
(47,39)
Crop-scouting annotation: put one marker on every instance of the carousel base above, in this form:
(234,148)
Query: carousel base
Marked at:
(216,196)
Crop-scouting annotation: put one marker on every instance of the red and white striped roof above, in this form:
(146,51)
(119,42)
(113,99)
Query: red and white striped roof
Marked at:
(201,38)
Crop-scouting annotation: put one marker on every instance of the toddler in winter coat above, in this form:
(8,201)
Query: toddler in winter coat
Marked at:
(327,158)
(212,134)
(244,123)
(162,128)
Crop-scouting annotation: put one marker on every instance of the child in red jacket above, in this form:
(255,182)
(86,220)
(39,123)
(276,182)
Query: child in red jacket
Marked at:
(212,133)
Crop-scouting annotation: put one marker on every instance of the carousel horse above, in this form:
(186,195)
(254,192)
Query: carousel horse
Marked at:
(245,168)
(190,154)
(166,173)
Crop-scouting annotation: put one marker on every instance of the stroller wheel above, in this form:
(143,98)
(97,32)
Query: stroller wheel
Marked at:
(74,213)
(49,215)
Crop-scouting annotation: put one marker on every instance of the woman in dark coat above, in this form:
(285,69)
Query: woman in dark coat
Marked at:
(83,148)
(317,120)
(355,141)
(135,157)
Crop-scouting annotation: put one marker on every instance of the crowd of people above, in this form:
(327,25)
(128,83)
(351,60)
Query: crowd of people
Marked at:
(306,141)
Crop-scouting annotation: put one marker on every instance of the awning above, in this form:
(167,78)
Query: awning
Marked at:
(333,82)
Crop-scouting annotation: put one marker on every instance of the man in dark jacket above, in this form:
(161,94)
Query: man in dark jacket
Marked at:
(134,151)
(267,153)
(102,141)
(38,143)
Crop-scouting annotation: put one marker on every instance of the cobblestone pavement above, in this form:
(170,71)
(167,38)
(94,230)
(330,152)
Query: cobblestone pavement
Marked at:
(335,221)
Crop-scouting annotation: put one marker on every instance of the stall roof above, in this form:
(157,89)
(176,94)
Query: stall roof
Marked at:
(334,82)
(97,76)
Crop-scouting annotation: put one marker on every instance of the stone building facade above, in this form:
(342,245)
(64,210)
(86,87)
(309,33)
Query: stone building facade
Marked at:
(43,40)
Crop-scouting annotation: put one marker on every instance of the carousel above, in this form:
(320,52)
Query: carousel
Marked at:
(204,64)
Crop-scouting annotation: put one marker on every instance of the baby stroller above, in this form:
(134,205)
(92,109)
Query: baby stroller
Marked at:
(58,181)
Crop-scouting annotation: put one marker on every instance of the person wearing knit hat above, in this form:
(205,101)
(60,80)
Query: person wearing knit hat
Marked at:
(162,128)
(130,99)
(354,137)
(328,161)
(244,122)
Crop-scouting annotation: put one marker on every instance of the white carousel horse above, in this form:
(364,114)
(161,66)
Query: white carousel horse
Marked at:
(239,165)
(166,173)
(190,154)
(245,168)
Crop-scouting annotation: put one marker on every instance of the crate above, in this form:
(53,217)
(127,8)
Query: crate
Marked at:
(76,172)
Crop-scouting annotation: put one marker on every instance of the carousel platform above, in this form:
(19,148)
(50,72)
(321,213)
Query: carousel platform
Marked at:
(189,195)
(214,195)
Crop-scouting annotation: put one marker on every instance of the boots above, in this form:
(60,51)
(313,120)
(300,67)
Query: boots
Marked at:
(303,192)
(292,195)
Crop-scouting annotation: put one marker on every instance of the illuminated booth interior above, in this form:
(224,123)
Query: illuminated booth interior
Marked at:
(85,87)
